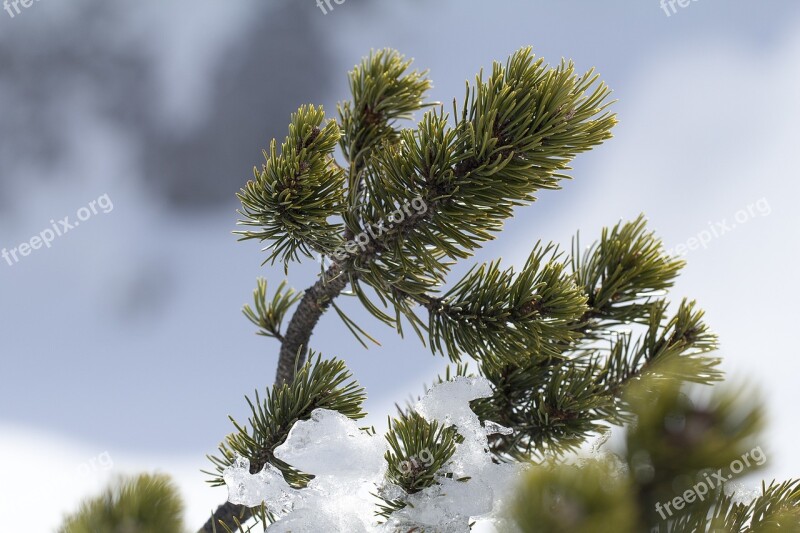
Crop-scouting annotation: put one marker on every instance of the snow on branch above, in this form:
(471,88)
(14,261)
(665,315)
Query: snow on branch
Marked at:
(349,465)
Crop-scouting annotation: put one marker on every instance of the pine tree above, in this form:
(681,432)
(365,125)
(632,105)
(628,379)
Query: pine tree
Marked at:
(569,345)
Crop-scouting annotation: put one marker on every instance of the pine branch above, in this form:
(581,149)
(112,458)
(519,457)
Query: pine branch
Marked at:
(227,515)
(324,384)
(293,195)
(314,303)
(775,510)
(145,503)
(621,274)
(589,498)
(268,316)
(418,450)
(494,313)
(678,437)
(320,384)
(384,91)
(685,338)
(680,449)
(554,395)
(517,133)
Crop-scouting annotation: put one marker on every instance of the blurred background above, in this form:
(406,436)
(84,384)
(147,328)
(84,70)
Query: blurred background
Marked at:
(122,345)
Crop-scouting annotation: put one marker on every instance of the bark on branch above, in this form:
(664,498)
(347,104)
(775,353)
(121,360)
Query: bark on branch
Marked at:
(314,303)
(294,348)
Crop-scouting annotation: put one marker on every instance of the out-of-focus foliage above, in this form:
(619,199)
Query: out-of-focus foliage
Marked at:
(144,504)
